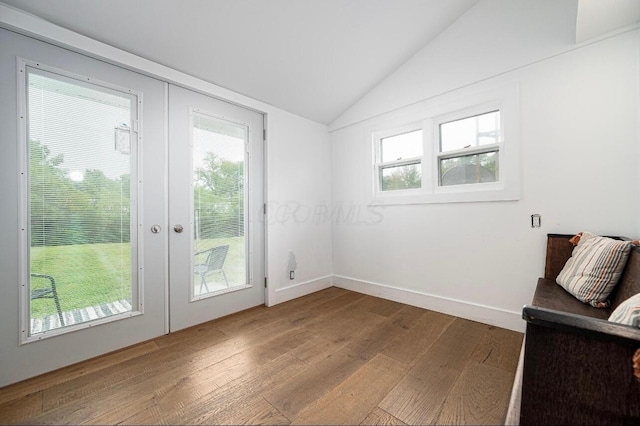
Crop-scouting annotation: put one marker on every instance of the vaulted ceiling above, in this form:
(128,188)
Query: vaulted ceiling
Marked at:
(314,58)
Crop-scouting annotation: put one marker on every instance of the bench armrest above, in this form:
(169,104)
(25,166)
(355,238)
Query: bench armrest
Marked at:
(580,324)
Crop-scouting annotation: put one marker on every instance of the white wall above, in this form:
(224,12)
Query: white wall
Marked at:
(597,17)
(298,204)
(580,146)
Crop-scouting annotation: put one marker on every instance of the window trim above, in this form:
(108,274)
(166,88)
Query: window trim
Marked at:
(428,115)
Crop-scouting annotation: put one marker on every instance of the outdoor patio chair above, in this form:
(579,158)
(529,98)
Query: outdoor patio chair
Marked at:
(214,262)
(48,293)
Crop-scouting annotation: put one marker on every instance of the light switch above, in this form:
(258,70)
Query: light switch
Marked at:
(536,221)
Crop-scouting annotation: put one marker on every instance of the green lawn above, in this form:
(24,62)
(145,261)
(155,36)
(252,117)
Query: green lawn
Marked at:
(92,274)
(85,274)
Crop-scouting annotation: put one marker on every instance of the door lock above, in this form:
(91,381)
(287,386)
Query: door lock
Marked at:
(178,229)
(155,229)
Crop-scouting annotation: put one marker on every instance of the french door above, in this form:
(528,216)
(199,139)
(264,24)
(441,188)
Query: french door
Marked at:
(118,230)
(216,234)
(82,171)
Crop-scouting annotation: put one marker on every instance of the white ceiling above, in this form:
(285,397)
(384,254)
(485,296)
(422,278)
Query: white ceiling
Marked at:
(314,58)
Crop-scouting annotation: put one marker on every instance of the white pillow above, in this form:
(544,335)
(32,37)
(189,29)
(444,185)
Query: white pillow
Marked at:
(594,268)
(628,312)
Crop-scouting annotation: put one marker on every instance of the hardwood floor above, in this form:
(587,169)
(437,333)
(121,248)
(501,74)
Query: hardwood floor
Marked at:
(333,357)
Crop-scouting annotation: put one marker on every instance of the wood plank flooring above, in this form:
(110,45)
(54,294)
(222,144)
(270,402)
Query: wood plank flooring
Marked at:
(333,357)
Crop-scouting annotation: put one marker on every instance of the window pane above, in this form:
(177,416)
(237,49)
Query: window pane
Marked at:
(477,168)
(401,177)
(399,147)
(469,132)
(219,197)
(81,159)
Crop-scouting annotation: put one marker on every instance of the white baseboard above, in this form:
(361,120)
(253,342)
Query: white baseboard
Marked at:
(285,294)
(476,312)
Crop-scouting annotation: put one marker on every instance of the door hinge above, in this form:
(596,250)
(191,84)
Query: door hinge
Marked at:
(264,134)
(264,208)
(265,282)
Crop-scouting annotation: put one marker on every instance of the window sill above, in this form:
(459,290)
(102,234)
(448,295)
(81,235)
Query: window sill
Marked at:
(453,194)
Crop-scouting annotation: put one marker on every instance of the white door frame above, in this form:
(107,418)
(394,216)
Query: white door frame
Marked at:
(186,309)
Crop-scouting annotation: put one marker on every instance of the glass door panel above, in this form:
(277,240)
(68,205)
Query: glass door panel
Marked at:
(219,199)
(216,199)
(82,168)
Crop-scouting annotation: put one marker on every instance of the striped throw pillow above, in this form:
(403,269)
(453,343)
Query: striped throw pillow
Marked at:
(594,268)
(628,312)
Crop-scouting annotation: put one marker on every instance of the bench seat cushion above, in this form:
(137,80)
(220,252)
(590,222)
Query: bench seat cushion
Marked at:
(550,295)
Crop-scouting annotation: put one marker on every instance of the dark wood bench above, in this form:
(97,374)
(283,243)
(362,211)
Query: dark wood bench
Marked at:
(577,366)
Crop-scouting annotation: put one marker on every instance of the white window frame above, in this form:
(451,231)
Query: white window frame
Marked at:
(380,165)
(438,154)
(429,115)
(137,307)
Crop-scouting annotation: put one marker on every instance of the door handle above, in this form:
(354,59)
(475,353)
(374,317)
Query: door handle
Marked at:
(178,229)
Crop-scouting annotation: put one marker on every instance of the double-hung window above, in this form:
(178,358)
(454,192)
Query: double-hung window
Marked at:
(461,150)
(468,148)
(399,165)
